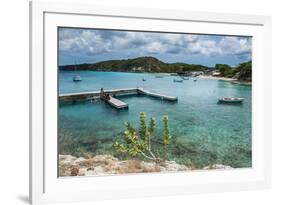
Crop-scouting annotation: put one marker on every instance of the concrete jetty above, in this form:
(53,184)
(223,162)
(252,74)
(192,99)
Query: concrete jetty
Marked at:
(156,95)
(117,103)
(113,93)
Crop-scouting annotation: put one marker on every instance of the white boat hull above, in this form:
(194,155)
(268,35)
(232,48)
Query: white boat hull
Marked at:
(77,78)
(230,100)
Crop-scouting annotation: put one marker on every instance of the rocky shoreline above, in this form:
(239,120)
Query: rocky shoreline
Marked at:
(106,165)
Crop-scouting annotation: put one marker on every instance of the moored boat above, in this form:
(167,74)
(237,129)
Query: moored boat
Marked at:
(77,78)
(143,79)
(230,100)
(178,81)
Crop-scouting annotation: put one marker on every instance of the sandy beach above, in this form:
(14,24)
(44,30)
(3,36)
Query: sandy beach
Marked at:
(216,78)
(232,80)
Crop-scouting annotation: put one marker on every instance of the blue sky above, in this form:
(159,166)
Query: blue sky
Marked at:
(92,45)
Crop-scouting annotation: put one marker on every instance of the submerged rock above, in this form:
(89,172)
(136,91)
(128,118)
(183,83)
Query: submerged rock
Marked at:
(107,164)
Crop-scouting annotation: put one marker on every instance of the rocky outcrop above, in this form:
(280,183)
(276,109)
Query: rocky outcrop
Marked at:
(107,164)
(218,166)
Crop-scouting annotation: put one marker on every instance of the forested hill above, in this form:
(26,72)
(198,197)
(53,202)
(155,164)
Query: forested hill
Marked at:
(242,72)
(141,64)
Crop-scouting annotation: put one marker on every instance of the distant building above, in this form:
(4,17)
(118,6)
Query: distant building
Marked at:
(137,69)
(216,73)
(212,72)
(196,73)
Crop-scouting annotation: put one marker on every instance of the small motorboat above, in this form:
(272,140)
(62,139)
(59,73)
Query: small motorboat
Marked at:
(77,78)
(159,76)
(143,79)
(178,81)
(230,100)
(195,80)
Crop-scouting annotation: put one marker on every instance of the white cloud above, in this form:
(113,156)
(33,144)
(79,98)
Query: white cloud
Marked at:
(235,45)
(154,47)
(85,41)
(203,47)
(92,42)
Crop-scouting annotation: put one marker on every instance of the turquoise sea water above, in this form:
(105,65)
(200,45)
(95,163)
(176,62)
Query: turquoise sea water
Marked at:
(203,131)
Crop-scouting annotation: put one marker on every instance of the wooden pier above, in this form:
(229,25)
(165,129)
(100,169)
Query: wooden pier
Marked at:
(116,103)
(91,95)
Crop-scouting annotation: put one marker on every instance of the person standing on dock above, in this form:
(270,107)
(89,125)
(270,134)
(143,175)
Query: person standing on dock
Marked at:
(101,92)
(104,95)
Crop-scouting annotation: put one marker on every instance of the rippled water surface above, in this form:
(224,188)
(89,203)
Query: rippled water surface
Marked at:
(203,131)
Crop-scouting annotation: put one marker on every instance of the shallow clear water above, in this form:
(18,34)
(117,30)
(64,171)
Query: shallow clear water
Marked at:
(203,131)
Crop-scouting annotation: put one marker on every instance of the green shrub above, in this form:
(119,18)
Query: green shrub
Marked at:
(138,143)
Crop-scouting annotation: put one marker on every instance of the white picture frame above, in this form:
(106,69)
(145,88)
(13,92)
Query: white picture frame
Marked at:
(46,187)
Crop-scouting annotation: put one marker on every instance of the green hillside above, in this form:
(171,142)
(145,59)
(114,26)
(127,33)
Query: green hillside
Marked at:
(141,64)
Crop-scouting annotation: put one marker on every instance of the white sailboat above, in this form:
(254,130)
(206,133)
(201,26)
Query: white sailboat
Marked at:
(76,78)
